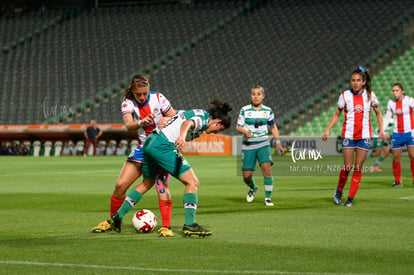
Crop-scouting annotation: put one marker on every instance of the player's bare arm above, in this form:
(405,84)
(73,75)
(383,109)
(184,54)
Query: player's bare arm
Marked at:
(332,123)
(180,141)
(163,121)
(132,125)
(243,131)
(275,134)
(381,134)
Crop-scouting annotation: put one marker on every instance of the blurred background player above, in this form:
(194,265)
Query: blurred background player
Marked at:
(380,147)
(356,131)
(142,111)
(400,108)
(253,122)
(161,150)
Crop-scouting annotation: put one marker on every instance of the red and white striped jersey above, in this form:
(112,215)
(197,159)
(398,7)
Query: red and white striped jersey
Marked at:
(357,109)
(402,112)
(157,104)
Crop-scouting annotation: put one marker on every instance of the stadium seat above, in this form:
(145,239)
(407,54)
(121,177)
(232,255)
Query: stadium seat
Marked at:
(133,144)
(37,147)
(100,148)
(58,148)
(47,148)
(80,145)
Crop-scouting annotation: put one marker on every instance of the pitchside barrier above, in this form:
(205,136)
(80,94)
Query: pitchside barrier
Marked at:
(40,138)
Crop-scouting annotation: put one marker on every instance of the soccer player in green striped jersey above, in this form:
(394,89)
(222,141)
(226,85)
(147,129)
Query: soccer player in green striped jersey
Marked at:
(254,121)
(161,150)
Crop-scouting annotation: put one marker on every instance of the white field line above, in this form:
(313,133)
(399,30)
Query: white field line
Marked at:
(44,172)
(407,198)
(167,270)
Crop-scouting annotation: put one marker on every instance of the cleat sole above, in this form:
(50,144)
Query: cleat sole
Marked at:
(200,234)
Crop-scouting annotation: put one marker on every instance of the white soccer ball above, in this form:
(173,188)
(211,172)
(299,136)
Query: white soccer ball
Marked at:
(144,221)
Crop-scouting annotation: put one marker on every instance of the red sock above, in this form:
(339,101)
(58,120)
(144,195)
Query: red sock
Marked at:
(115,204)
(396,169)
(343,177)
(355,182)
(412,168)
(165,210)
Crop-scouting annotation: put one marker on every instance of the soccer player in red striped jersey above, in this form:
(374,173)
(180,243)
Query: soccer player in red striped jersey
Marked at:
(400,108)
(356,132)
(142,111)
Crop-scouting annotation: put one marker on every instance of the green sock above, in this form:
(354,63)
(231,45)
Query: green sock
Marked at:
(379,161)
(268,185)
(133,198)
(250,183)
(190,207)
(370,155)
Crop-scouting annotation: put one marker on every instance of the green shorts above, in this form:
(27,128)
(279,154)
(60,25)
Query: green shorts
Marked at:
(379,143)
(262,154)
(159,152)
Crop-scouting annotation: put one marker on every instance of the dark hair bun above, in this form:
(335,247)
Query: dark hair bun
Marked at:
(221,106)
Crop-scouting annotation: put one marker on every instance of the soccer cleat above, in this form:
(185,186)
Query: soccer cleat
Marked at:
(348,202)
(376,169)
(165,232)
(115,222)
(268,202)
(251,195)
(337,197)
(196,229)
(397,184)
(102,227)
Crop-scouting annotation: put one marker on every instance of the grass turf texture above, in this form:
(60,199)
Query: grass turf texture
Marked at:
(49,205)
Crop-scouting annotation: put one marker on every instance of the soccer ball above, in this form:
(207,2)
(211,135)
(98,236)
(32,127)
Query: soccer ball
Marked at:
(144,221)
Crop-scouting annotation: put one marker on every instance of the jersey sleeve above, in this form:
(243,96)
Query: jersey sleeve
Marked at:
(387,118)
(411,102)
(240,119)
(341,101)
(389,108)
(374,100)
(127,107)
(271,119)
(165,103)
(198,123)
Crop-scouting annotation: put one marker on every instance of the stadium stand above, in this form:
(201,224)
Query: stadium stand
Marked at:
(295,49)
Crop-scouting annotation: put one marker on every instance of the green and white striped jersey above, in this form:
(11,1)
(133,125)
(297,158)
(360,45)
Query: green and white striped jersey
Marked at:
(172,130)
(257,121)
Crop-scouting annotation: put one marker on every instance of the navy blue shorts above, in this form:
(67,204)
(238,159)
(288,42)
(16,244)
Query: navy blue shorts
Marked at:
(399,140)
(363,144)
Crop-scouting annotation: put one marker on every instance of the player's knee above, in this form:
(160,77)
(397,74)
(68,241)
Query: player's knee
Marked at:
(121,187)
(194,183)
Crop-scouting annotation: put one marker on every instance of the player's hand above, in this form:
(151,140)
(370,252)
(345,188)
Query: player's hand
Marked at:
(163,121)
(280,149)
(325,135)
(147,120)
(179,143)
(248,134)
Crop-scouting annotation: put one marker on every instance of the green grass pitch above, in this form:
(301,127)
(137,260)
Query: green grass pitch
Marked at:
(49,205)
